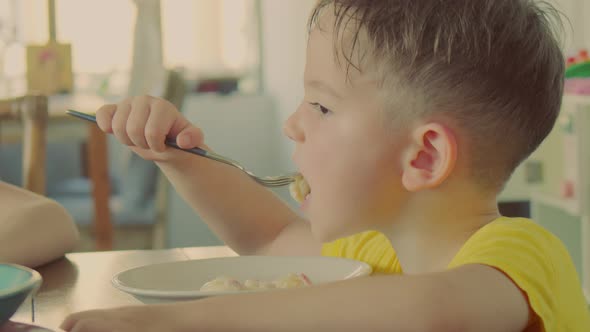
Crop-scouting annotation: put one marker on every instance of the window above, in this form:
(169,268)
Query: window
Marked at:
(204,37)
(210,35)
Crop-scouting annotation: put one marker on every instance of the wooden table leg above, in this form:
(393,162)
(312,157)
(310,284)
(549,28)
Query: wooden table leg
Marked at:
(101,188)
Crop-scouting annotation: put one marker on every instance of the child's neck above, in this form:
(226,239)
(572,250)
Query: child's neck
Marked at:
(427,239)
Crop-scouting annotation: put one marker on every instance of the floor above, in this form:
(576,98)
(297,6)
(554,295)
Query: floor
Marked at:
(125,238)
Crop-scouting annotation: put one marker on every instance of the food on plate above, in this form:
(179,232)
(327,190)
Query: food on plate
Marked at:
(224,283)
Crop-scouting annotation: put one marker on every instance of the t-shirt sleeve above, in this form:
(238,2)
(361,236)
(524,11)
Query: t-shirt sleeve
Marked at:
(536,261)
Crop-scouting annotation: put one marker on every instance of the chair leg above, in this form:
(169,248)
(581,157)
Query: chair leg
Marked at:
(34,115)
(101,188)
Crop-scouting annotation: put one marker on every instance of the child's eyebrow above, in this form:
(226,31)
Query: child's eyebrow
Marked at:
(324,87)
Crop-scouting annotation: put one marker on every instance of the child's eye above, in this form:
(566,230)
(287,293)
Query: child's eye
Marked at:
(320,108)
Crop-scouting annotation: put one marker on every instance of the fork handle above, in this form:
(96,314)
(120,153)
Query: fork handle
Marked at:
(198,151)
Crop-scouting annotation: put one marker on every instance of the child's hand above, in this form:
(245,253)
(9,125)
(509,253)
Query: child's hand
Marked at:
(145,122)
(135,318)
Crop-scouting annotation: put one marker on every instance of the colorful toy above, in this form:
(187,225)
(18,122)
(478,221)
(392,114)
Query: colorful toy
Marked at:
(578,66)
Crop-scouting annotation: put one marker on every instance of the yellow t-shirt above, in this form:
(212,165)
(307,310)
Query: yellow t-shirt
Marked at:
(534,259)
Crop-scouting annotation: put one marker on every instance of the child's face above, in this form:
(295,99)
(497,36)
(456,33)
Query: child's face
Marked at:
(345,147)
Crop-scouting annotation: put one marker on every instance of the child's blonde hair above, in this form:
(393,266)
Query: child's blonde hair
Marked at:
(493,67)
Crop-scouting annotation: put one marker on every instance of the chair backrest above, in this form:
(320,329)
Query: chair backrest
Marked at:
(32,111)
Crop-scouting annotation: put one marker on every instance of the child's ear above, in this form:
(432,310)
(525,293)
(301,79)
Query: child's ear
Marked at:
(430,157)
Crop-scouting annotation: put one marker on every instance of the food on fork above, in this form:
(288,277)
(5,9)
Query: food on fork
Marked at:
(299,188)
(292,280)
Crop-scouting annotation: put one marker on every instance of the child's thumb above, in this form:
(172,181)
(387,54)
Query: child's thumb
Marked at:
(190,137)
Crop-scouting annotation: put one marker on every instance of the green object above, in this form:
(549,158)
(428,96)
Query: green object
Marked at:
(566,122)
(581,70)
(16,283)
(103,87)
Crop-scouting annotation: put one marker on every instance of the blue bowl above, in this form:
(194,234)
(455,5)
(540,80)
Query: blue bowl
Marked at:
(16,283)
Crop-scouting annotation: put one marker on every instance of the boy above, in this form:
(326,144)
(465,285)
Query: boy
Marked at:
(25,221)
(415,114)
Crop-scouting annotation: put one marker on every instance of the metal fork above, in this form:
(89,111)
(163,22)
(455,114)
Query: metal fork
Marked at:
(267,181)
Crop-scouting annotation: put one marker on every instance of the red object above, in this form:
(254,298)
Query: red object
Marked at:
(305,279)
(571,60)
(583,55)
(567,189)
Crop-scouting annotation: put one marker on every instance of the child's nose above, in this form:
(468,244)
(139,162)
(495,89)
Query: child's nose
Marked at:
(293,129)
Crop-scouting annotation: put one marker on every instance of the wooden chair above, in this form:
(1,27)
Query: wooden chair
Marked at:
(32,111)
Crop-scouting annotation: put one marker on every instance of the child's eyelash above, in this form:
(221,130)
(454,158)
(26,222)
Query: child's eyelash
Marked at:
(321,108)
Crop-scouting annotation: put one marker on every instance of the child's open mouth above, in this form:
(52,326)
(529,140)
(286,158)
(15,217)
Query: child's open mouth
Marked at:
(299,189)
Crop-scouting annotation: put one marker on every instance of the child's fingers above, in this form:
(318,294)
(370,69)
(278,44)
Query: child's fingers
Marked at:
(119,123)
(190,137)
(72,321)
(164,116)
(158,126)
(145,122)
(140,112)
(104,117)
(69,323)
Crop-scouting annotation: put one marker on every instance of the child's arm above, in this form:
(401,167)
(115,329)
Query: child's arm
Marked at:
(243,214)
(470,298)
(246,216)
(33,229)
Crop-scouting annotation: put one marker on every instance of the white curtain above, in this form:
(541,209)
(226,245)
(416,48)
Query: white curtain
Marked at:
(147,69)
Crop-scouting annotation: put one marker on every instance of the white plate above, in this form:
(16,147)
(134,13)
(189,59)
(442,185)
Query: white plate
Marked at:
(182,280)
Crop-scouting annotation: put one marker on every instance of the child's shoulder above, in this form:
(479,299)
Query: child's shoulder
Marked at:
(522,249)
(521,230)
(504,236)
(537,262)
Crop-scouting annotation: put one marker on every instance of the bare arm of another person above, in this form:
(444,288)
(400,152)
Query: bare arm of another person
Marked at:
(469,298)
(34,230)
(248,217)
